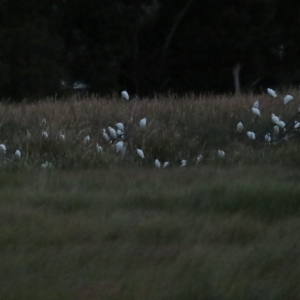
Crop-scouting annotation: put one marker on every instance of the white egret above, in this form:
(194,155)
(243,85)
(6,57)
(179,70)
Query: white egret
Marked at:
(296,125)
(281,124)
(17,154)
(221,153)
(140,153)
(276,130)
(125,95)
(105,135)
(45,134)
(119,132)
(62,137)
(2,148)
(239,127)
(275,119)
(120,126)
(199,158)
(183,163)
(78,85)
(287,99)
(112,132)
(268,138)
(166,164)
(98,148)
(143,123)
(251,135)
(119,146)
(87,139)
(256,104)
(157,163)
(271,92)
(255,111)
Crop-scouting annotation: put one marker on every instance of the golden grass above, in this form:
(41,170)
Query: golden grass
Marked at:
(176,129)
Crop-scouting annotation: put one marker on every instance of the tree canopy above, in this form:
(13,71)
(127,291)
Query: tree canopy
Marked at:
(147,47)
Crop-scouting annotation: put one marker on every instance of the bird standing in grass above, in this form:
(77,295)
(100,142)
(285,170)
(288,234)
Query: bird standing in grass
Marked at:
(271,92)
(17,154)
(183,163)
(255,112)
(143,123)
(239,127)
(2,148)
(157,164)
(112,132)
(140,153)
(251,135)
(221,153)
(166,164)
(105,135)
(287,99)
(125,95)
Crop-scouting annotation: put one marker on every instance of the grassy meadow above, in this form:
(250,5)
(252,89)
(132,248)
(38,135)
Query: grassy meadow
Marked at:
(99,225)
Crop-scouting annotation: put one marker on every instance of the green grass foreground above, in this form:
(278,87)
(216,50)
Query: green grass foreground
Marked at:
(178,234)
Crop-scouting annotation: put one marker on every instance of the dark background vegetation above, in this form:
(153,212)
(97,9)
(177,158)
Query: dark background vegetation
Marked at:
(147,47)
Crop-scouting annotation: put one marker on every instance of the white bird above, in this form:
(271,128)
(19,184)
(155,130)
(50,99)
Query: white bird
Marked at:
(105,135)
(98,148)
(119,146)
(125,95)
(166,164)
(221,153)
(120,126)
(251,135)
(268,138)
(199,158)
(281,124)
(157,163)
(276,130)
(287,99)
(256,104)
(275,119)
(271,92)
(45,134)
(296,125)
(62,137)
(239,127)
(143,123)
(46,165)
(78,85)
(112,132)
(255,111)
(140,153)
(119,132)
(183,163)
(17,154)
(87,139)
(2,148)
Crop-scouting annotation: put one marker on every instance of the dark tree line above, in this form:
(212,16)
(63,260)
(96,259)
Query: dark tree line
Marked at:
(147,47)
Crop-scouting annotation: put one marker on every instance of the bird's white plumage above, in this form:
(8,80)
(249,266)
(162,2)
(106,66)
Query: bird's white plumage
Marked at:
(87,139)
(251,135)
(166,164)
(62,137)
(256,104)
(183,163)
(2,148)
(199,158)
(271,92)
(239,127)
(296,125)
(120,126)
(221,153)
(281,124)
(45,134)
(287,99)
(140,153)
(105,135)
(98,148)
(255,111)
(275,119)
(125,95)
(112,132)
(157,163)
(143,123)
(119,146)
(268,137)
(276,129)
(18,154)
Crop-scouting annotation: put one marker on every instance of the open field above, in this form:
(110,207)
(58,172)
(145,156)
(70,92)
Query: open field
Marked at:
(189,233)
(176,129)
(101,225)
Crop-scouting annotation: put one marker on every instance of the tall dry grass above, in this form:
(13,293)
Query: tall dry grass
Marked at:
(177,128)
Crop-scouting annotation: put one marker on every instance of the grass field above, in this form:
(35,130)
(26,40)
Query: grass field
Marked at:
(197,233)
(106,226)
